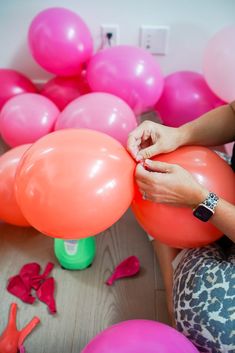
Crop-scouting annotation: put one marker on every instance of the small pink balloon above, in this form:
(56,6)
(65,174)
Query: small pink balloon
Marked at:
(13,83)
(218,63)
(60,41)
(27,117)
(63,90)
(185,97)
(140,336)
(99,111)
(127,268)
(128,72)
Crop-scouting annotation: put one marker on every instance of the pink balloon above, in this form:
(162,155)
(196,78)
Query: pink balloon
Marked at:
(63,90)
(185,97)
(60,41)
(27,117)
(228,147)
(99,111)
(13,83)
(140,336)
(218,66)
(128,72)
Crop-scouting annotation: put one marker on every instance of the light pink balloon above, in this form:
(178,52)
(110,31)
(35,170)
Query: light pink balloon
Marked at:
(99,111)
(228,148)
(185,97)
(13,83)
(60,41)
(219,61)
(128,72)
(27,117)
(140,336)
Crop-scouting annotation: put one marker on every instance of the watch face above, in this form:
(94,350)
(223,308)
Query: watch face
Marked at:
(203,213)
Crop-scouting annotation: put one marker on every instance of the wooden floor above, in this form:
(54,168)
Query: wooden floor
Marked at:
(85,304)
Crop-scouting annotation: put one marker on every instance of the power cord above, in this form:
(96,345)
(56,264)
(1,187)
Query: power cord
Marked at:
(106,41)
(109,36)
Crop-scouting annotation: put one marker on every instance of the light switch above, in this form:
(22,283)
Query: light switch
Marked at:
(154,39)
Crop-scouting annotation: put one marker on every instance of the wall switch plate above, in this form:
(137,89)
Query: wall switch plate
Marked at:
(109,29)
(154,39)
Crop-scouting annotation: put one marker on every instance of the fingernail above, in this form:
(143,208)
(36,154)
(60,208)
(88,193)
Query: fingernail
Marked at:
(148,161)
(138,158)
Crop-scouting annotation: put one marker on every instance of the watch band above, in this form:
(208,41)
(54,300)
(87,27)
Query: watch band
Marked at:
(211,201)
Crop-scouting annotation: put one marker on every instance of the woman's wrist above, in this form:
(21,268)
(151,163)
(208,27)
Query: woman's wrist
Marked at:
(184,135)
(199,195)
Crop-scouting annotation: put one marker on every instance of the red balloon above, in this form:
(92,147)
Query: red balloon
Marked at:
(75,183)
(63,90)
(13,83)
(9,209)
(176,226)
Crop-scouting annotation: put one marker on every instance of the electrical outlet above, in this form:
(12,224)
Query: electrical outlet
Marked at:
(154,39)
(114,31)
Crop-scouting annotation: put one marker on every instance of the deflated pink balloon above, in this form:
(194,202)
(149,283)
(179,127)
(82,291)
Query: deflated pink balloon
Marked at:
(13,83)
(60,41)
(63,90)
(127,268)
(27,117)
(128,72)
(99,111)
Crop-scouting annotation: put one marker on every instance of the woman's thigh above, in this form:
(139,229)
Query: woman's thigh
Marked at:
(204,298)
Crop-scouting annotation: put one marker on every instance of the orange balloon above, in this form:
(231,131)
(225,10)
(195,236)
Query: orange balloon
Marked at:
(75,183)
(176,226)
(9,209)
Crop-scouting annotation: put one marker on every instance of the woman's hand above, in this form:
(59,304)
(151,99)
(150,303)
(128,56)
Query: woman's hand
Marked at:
(169,184)
(150,139)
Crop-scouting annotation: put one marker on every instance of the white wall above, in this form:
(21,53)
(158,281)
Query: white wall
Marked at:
(192,23)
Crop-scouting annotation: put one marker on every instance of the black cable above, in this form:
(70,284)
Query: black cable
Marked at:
(109,37)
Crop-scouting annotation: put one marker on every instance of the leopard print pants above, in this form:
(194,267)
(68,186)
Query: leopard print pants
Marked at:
(204,298)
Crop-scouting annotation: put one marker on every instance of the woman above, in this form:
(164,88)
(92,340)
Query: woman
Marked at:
(200,283)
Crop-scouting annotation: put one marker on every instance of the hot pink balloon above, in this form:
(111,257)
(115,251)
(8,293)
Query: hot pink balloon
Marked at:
(185,97)
(27,117)
(140,336)
(99,111)
(218,66)
(128,72)
(60,41)
(63,90)
(13,83)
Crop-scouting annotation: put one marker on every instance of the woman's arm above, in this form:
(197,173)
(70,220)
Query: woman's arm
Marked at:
(224,218)
(173,185)
(213,128)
